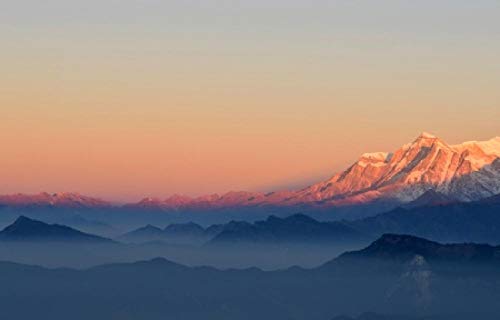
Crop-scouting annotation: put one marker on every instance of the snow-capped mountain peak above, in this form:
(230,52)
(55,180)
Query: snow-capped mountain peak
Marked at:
(426,135)
(466,171)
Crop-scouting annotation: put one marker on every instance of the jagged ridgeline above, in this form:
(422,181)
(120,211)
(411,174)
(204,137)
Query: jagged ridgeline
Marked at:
(376,182)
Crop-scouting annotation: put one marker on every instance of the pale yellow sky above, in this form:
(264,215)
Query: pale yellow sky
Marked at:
(149,99)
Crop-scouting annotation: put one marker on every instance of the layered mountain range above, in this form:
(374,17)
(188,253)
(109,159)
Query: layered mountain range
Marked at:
(396,274)
(436,219)
(463,172)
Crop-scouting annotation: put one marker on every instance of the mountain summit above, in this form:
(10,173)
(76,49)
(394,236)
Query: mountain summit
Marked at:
(464,172)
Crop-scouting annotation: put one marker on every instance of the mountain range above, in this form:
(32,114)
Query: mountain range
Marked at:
(464,172)
(432,216)
(296,229)
(176,233)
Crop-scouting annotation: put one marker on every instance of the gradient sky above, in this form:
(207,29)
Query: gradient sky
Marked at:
(126,99)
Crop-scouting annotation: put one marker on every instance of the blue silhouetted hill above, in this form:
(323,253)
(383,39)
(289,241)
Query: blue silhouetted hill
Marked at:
(298,228)
(410,283)
(26,229)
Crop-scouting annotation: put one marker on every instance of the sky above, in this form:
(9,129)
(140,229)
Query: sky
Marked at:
(124,99)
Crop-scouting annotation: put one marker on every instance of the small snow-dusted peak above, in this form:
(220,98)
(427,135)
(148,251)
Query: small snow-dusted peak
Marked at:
(424,143)
(426,135)
(425,140)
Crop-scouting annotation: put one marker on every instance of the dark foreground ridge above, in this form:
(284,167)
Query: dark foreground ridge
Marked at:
(159,289)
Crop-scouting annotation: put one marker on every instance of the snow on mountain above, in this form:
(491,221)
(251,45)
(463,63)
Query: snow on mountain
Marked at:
(64,199)
(466,172)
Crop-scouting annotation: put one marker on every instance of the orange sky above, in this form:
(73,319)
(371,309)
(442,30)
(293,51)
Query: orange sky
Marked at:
(122,106)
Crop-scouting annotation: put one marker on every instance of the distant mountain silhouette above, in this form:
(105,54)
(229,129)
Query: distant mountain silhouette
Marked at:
(177,233)
(26,229)
(190,229)
(297,228)
(144,234)
(456,222)
(433,216)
